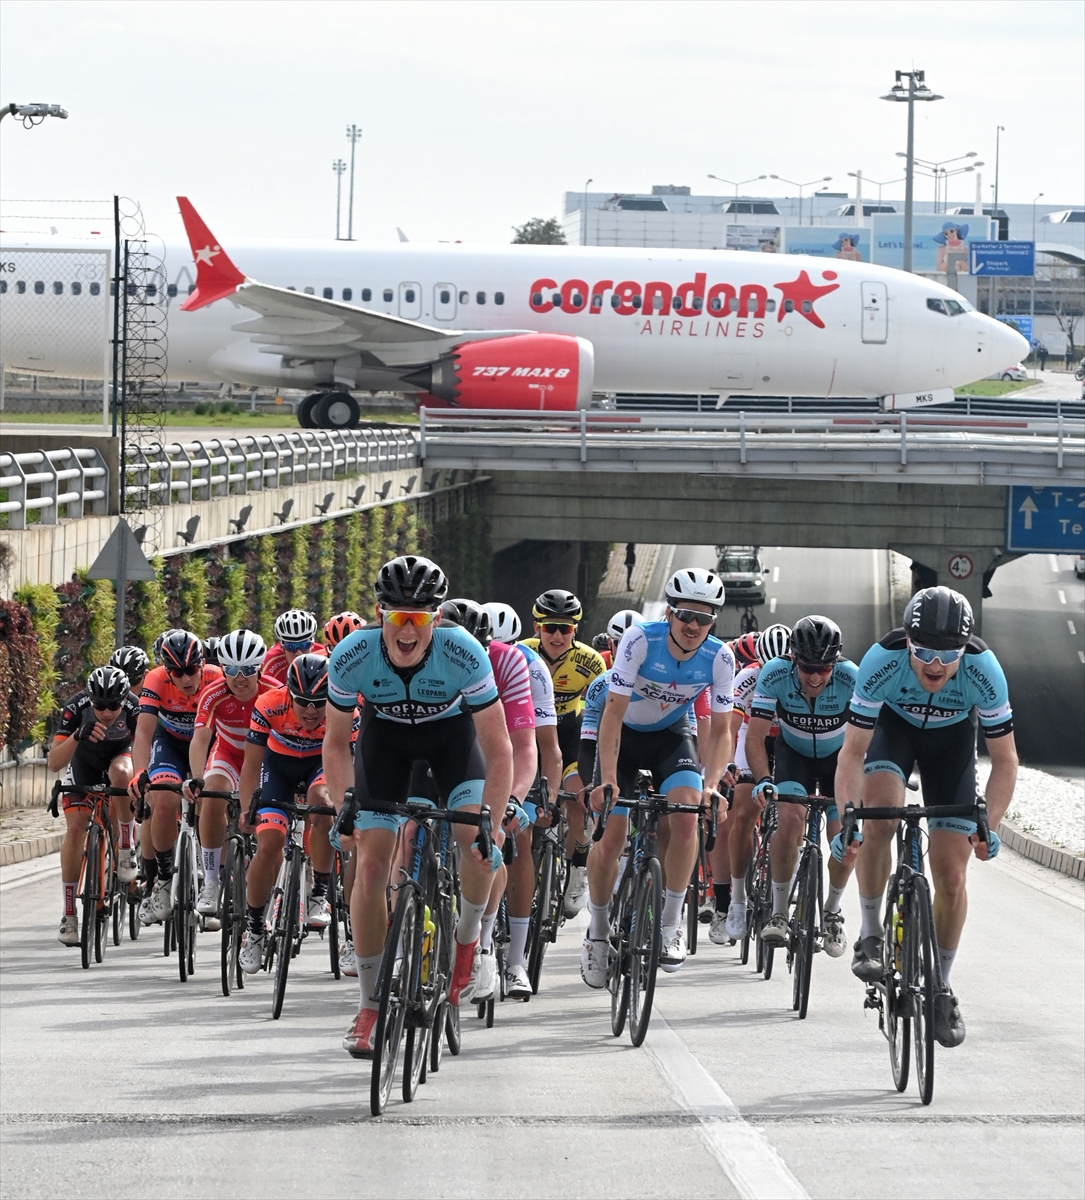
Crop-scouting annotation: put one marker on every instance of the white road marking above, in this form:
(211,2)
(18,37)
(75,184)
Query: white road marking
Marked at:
(772,604)
(33,877)
(748,1159)
(1081,655)
(1054,563)
(775,574)
(1062,596)
(1072,627)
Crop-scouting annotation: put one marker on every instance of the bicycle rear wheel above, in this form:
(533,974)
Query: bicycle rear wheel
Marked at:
(89,895)
(923,984)
(134,923)
(538,932)
(233,917)
(392,998)
(804,925)
(744,952)
(335,895)
(285,932)
(898,1025)
(645,942)
(693,896)
(618,955)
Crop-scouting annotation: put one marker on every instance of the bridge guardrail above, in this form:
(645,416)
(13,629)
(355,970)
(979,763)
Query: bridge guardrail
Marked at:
(206,468)
(45,481)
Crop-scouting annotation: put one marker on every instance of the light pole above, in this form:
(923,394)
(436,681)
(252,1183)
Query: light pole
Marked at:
(879,183)
(1032,289)
(999,131)
(338,166)
(916,90)
(584,216)
(937,170)
(354,136)
(736,186)
(33,114)
(800,186)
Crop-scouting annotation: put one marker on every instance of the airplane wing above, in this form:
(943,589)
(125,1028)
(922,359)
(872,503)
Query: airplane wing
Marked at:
(297,325)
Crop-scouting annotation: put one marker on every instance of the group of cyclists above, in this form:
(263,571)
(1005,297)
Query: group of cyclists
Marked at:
(442,700)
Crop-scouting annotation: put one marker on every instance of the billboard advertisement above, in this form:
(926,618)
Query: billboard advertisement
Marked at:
(937,240)
(828,241)
(758,238)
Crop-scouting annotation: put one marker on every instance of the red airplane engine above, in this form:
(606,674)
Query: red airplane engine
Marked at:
(541,371)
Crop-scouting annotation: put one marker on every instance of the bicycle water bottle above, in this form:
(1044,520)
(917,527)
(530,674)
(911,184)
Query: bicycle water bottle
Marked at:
(428,930)
(898,932)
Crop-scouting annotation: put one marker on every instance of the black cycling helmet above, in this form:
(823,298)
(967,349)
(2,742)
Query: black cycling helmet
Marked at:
(307,677)
(816,640)
(132,660)
(600,642)
(939,618)
(211,651)
(473,617)
(558,605)
(181,649)
(156,651)
(411,581)
(107,686)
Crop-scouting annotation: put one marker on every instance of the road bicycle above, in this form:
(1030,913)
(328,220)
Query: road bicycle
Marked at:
(699,892)
(547,906)
(236,853)
(100,896)
(339,933)
(905,995)
(500,942)
(412,981)
(759,888)
(286,910)
(637,909)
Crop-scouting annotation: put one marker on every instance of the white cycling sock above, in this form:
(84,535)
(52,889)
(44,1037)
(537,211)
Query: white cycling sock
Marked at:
(871,907)
(211,860)
(69,897)
(598,921)
(469,925)
(517,940)
(672,908)
(780,893)
(832,904)
(486,933)
(738,889)
(946,958)
(367,969)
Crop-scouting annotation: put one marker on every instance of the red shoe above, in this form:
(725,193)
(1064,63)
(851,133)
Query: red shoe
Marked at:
(464,974)
(358,1041)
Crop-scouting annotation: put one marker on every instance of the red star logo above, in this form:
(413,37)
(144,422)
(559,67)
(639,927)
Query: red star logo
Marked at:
(803,289)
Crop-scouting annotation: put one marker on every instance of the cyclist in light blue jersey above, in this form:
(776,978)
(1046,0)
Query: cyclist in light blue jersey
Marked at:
(808,693)
(913,705)
(660,668)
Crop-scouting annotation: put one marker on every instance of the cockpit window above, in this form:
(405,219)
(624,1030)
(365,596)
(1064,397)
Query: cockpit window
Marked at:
(954,308)
(937,306)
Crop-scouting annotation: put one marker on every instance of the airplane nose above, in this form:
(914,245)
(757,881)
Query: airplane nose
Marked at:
(1007,345)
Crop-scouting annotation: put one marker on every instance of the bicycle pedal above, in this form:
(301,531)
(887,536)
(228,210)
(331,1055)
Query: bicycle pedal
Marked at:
(872,999)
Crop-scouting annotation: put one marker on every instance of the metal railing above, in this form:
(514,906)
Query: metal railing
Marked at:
(214,467)
(916,445)
(46,481)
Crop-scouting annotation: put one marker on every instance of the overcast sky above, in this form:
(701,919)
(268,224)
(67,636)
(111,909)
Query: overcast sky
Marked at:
(477,116)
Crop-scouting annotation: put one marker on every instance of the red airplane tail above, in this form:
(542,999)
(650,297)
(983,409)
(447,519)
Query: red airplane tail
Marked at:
(216,275)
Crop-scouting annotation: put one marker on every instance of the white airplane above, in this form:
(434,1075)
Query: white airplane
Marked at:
(545,327)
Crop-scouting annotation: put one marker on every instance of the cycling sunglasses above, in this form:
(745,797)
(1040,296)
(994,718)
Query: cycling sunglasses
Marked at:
(945,657)
(185,671)
(420,618)
(297,647)
(233,672)
(106,707)
(558,627)
(815,668)
(308,703)
(688,615)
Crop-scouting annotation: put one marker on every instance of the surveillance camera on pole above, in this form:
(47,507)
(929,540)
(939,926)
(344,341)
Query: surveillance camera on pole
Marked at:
(33,114)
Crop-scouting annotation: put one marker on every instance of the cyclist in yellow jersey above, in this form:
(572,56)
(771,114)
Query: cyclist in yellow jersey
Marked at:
(572,666)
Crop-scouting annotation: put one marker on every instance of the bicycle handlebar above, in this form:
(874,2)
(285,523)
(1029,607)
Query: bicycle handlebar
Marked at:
(915,812)
(418,811)
(601,824)
(60,788)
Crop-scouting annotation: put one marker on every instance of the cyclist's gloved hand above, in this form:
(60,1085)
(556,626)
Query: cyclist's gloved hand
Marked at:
(994,844)
(333,836)
(761,784)
(837,846)
(520,815)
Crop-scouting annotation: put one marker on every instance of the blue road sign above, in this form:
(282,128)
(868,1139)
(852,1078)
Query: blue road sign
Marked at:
(1002,258)
(1050,520)
(1023,325)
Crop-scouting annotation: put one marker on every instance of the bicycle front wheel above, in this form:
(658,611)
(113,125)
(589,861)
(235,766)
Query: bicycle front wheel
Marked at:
(416,1051)
(803,929)
(744,952)
(233,917)
(181,910)
(898,1024)
(923,986)
(645,943)
(89,895)
(538,932)
(392,998)
(284,934)
(618,955)
(335,894)
(693,895)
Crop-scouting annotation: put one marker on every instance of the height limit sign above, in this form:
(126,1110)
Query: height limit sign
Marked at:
(1048,520)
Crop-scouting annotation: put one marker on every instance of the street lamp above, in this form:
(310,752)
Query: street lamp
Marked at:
(916,90)
(999,131)
(736,186)
(880,183)
(338,166)
(936,170)
(584,217)
(354,136)
(1032,289)
(800,186)
(33,114)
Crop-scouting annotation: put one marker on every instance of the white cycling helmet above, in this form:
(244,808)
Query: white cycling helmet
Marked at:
(241,648)
(295,625)
(620,622)
(773,642)
(697,584)
(506,623)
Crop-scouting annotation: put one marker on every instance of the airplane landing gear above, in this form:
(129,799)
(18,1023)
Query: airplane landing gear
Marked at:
(329,410)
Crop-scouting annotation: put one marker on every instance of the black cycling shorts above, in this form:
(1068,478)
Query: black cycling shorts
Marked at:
(810,774)
(569,738)
(945,757)
(669,754)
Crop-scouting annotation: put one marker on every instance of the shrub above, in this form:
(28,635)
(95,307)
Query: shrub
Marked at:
(152,613)
(192,595)
(43,606)
(20,681)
